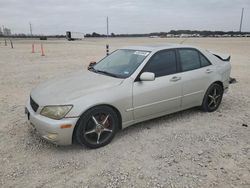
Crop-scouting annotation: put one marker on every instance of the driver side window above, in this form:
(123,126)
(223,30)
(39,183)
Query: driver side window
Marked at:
(162,63)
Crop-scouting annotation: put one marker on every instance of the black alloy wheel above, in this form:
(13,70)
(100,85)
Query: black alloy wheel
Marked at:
(97,127)
(212,98)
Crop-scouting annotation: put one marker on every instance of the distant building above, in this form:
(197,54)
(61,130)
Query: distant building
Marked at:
(185,35)
(1,33)
(6,31)
(153,36)
(170,35)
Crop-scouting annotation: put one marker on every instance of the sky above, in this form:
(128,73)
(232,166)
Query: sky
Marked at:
(125,16)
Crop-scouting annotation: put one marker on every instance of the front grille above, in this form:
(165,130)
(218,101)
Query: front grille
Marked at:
(33,105)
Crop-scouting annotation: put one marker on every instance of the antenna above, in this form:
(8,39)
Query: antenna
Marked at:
(107,26)
(241,19)
(30,29)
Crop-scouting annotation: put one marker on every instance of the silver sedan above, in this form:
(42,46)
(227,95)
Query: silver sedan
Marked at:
(128,86)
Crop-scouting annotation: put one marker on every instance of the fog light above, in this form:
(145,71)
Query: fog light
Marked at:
(51,136)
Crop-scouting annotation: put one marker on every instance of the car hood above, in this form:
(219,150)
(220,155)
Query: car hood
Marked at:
(59,91)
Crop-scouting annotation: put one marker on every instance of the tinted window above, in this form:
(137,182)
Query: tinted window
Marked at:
(162,63)
(189,59)
(204,61)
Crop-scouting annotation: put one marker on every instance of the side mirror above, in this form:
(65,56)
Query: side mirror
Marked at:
(147,76)
(91,64)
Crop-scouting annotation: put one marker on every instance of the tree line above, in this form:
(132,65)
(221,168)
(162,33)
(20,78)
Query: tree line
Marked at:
(205,33)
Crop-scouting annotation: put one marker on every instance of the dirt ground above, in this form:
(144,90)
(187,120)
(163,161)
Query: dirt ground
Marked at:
(185,149)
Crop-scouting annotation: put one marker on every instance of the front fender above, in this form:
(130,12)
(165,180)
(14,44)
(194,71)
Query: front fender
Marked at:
(119,97)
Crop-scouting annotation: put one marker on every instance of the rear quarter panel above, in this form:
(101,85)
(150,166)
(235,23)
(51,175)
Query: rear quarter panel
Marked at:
(223,68)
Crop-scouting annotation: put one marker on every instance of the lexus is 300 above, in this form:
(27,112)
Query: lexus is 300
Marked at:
(131,85)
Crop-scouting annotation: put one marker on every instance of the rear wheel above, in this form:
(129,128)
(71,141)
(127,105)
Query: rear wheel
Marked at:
(212,98)
(97,127)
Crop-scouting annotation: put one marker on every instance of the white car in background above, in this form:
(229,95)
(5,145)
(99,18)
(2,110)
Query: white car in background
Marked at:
(128,86)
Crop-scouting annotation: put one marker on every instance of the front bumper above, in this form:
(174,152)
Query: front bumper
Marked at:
(50,129)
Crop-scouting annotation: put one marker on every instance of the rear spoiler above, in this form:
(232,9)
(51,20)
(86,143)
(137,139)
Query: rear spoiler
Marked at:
(223,57)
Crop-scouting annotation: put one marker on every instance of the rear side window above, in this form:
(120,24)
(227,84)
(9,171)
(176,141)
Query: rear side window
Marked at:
(189,59)
(204,61)
(162,63)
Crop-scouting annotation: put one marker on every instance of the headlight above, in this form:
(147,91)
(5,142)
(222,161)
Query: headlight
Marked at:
(56,112)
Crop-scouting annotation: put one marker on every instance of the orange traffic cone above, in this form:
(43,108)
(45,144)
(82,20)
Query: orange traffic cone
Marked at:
(43,54)
(33,48)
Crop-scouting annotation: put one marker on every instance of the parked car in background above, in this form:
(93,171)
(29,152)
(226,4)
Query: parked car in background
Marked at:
(131,85)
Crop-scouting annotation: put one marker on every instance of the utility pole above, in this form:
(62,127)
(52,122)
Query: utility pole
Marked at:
(107,45)
(30,29)
(107,26)
(241,19)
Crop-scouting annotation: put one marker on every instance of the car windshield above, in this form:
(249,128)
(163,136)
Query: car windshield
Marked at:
(121,63)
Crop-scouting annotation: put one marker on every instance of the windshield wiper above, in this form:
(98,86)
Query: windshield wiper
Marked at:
(106,73)
(91,68)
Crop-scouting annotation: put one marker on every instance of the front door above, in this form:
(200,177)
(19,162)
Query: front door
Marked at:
(163,95)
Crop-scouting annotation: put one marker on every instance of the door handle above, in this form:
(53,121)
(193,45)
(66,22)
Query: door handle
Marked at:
(175,78)
(209,71)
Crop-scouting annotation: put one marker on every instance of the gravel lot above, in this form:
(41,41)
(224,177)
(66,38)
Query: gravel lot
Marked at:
(185,149)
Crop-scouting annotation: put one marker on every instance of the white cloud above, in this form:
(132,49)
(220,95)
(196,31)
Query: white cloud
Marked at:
(126,16)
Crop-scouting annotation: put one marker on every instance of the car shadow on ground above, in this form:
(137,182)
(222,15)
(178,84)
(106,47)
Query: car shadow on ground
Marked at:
(158,123)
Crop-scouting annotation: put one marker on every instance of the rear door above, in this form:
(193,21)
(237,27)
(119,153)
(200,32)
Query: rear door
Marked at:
(196,76)
(163,95)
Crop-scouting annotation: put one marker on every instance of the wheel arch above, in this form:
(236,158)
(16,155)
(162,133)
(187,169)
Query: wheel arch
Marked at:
(82,114)
(219,83)
(215,82)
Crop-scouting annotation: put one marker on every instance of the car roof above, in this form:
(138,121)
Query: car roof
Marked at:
(158,47)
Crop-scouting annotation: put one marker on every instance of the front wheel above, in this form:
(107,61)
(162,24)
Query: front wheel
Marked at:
(97,127)
(212,98)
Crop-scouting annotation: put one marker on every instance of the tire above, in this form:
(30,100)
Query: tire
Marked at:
(97,127)
(212,98)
